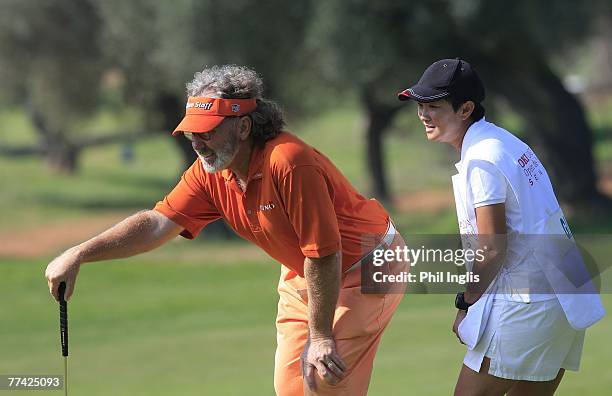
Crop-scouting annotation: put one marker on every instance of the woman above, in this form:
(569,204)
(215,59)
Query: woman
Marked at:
(527,328)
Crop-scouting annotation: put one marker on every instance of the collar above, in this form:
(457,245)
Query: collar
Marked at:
(227,174)
(255,165)
(470,137)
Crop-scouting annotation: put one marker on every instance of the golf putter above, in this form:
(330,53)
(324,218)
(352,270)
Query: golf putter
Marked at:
(64,331)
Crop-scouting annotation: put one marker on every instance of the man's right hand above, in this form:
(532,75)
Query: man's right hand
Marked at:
(137,234)
(63,268)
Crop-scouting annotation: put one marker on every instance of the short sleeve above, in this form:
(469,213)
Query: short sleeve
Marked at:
(188,204)
(488,185)
(308,199)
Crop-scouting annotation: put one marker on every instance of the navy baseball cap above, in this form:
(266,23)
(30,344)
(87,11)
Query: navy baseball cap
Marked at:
(444,78)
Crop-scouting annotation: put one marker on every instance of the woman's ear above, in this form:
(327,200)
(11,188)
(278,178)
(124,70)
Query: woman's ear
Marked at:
(466,110)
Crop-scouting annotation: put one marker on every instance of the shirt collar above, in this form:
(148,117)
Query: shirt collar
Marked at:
(470,136)
(255,165)
(256,162)
(227,174)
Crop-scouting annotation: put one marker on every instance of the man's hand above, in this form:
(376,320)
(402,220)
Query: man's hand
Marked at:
(458,319)
(321,355)
(63,268)
(138,233)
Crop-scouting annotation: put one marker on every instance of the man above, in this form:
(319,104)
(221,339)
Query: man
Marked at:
(281,194)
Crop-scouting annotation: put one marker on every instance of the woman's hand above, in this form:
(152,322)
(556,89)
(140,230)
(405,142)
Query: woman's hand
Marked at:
(458,319)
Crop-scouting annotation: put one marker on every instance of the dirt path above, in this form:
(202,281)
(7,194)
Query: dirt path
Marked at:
(52,238)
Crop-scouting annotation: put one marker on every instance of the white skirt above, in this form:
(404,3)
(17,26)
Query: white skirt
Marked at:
(527,341)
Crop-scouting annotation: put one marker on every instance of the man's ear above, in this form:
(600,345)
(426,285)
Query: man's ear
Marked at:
(466,110)
(244,127)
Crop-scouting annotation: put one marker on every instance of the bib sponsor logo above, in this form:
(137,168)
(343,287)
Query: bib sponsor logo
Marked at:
(531,167)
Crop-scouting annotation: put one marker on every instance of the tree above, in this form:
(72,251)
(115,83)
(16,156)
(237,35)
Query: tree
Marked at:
(382,46)
(54,75)
(54,55)
(376,47)
(58,52)
(517,59)
(158,46)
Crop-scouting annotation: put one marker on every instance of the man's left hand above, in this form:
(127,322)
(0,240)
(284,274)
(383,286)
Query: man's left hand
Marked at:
(320,354)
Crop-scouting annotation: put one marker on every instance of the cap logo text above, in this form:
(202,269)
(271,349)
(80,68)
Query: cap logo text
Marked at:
(200,105)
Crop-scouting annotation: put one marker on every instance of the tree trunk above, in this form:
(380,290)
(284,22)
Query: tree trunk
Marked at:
(379,117)
(556,126)
(172,109)
(61,155)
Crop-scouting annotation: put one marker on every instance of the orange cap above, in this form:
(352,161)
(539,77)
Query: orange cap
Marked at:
(204,114)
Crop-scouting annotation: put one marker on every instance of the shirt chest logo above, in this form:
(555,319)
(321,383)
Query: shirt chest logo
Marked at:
(265,207)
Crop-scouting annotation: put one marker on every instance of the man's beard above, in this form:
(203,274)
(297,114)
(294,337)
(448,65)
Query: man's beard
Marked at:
(222,157)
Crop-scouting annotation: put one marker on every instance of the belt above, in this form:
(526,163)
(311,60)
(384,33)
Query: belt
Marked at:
(385,243)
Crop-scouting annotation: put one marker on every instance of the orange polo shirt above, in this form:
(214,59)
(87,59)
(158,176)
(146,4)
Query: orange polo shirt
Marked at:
(297,204)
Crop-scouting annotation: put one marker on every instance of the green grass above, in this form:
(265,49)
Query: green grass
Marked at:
(197,318)
(340,136)
(17,129)
(148,326)
(603,150)
(32,194)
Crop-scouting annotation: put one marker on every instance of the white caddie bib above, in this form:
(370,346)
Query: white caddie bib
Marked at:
(472,327)
(555,252)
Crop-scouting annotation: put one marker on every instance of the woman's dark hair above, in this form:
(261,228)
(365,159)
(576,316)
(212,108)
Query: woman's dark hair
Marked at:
(477,114)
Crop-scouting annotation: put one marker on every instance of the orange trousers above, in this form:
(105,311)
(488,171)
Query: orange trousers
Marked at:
(359,323)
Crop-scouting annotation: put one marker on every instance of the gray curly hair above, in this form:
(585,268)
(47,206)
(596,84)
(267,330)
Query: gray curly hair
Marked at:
(240,82)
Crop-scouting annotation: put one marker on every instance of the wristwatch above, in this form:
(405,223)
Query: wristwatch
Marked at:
(460,302)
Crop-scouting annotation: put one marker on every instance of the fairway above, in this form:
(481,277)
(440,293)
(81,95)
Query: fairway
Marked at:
(197,318)
(157,326)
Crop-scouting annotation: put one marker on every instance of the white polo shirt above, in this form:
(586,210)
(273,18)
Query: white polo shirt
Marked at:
(488,186)
(542,258)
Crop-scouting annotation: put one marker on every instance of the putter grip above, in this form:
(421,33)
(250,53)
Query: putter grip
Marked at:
(63,318)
